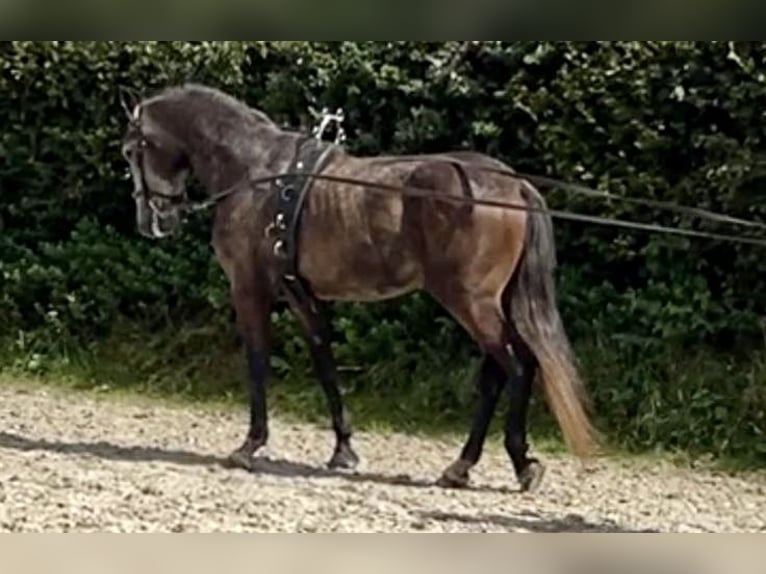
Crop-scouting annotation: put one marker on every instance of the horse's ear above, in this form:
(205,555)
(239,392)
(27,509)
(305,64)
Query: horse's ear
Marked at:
(129,100)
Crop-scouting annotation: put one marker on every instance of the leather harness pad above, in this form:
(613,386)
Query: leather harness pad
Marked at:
(291,190)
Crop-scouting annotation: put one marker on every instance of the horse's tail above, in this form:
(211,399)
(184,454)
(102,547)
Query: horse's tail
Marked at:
(536,317)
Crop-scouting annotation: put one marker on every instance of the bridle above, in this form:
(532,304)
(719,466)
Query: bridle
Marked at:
(178,202)
(144,191)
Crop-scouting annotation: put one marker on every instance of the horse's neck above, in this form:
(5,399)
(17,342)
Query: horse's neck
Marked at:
(272,151)
(266,151)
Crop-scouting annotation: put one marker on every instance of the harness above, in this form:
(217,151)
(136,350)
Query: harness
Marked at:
(310,158)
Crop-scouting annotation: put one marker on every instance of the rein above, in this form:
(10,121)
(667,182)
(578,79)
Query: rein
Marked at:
(560,214)
(188,206)
(542,181)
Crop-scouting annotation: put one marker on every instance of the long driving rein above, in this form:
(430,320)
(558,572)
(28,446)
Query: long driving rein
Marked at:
(560,214)
(246,182)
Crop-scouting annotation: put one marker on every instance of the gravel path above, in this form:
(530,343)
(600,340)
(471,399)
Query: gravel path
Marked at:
(78,462)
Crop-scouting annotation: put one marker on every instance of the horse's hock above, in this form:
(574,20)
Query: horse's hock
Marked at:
(103,464)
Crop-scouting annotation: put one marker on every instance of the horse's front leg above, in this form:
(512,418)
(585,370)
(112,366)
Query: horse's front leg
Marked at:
(253,307)
(317,329)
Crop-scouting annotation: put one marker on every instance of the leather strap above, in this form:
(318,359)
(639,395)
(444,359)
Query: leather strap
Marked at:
(291,190)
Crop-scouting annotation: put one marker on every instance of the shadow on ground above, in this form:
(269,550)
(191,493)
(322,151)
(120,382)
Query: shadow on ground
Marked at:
(278,467)
(269,466)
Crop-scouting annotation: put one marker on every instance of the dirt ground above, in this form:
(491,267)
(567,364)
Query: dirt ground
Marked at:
(77,462)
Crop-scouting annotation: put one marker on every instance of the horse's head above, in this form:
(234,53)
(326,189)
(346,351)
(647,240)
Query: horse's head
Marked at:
(159,167)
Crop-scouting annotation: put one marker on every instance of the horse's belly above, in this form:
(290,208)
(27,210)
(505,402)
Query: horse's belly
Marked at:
(361,293)
(359,274)
(358,247)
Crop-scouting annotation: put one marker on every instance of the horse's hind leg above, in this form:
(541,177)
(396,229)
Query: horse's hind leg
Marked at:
(485,322)
(490,382)
(507,363)
(529,471)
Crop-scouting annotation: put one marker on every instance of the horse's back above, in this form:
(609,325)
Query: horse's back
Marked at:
(366,243)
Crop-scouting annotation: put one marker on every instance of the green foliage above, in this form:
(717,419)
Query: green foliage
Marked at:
(677,121)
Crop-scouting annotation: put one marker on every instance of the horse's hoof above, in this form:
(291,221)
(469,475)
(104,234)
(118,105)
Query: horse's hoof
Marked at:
(531,477)
(344,458)
(455,476)
(240,459)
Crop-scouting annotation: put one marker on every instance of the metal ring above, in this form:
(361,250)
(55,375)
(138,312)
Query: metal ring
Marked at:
(286,193)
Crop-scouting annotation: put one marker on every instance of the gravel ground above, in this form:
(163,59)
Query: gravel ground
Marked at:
(77,462)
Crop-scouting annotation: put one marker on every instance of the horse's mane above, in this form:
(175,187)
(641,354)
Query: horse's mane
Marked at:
(213,95)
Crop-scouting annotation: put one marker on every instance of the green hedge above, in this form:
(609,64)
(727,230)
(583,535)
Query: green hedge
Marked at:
(678,121)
